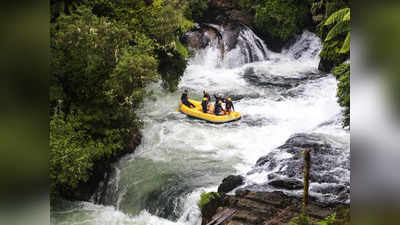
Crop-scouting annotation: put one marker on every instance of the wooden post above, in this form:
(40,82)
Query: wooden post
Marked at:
(306,171)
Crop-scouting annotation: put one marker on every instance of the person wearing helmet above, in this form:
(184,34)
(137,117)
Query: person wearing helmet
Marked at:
(229,105)
(218,98)
(185,99)
(204,105)
(218,108)
(206,95)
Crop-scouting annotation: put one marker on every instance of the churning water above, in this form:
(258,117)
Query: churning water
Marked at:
(279,95)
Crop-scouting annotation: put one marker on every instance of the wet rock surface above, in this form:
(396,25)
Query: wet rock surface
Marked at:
(329,167)
(266,208)
(227,37)
(229,183)
(288,184)
(271,80)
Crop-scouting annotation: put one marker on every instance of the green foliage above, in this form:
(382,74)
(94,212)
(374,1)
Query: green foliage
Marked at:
(195,9)
(330,54)
(333,6)
(104,53)
(162,22)
(338,16)
(342,73)
(301,219)
(329,220)
(70,154)
(281,19)
(172,67)
(206,197)
(335,51)
(341,21)
(346,44)
(249,5)
(336,34)
(340,217)
(182,50)
(95,74)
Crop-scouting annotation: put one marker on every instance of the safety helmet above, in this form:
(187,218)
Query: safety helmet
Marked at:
(229,99)
(219,95)
(205,99)
(219,102)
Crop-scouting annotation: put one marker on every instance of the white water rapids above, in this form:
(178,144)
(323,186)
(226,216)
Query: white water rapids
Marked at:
(278,96)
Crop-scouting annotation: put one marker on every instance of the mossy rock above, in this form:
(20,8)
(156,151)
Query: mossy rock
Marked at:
(207,197)
(208,204)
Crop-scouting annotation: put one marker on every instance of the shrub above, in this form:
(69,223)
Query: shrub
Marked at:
(301,219)
(329,220)
(282,19)
(195,9)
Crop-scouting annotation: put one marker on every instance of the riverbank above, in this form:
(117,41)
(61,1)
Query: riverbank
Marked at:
(95,187)
(255,208)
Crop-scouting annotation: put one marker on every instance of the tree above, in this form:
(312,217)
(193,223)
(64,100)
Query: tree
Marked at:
(98,77)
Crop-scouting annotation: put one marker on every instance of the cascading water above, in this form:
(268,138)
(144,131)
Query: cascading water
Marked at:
(279,95)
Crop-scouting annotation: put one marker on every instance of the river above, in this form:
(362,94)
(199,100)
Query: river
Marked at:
(278,94)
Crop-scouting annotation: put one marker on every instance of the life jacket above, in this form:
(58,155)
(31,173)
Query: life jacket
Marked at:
(228,105)
(184,97)
(218,109)
(207,96)
(204,106)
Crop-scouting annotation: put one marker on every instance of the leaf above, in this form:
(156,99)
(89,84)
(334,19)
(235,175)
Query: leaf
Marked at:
(337,16)
(346,45)
(338,29)
(347,17)
(181,49)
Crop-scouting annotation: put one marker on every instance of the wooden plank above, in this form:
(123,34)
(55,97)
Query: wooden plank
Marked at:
(222,216)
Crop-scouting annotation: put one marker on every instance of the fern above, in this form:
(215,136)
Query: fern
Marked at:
(341,19)
(347,17)
(338,29)
(346,45)
(337,16)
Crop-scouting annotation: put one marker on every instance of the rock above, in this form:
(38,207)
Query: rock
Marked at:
(255,208)
(211,208)
(330,166)
(229,183)
(288,184)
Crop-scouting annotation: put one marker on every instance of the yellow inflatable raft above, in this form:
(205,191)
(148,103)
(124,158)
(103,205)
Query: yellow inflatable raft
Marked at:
(198,113)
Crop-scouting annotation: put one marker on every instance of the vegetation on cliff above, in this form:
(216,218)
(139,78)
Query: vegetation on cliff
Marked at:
(103,54)
(342,73)
(336,49)
(281,19)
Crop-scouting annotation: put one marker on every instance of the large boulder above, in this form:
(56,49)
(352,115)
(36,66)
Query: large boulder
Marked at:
(229,183)
(288,184)
(330,166)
